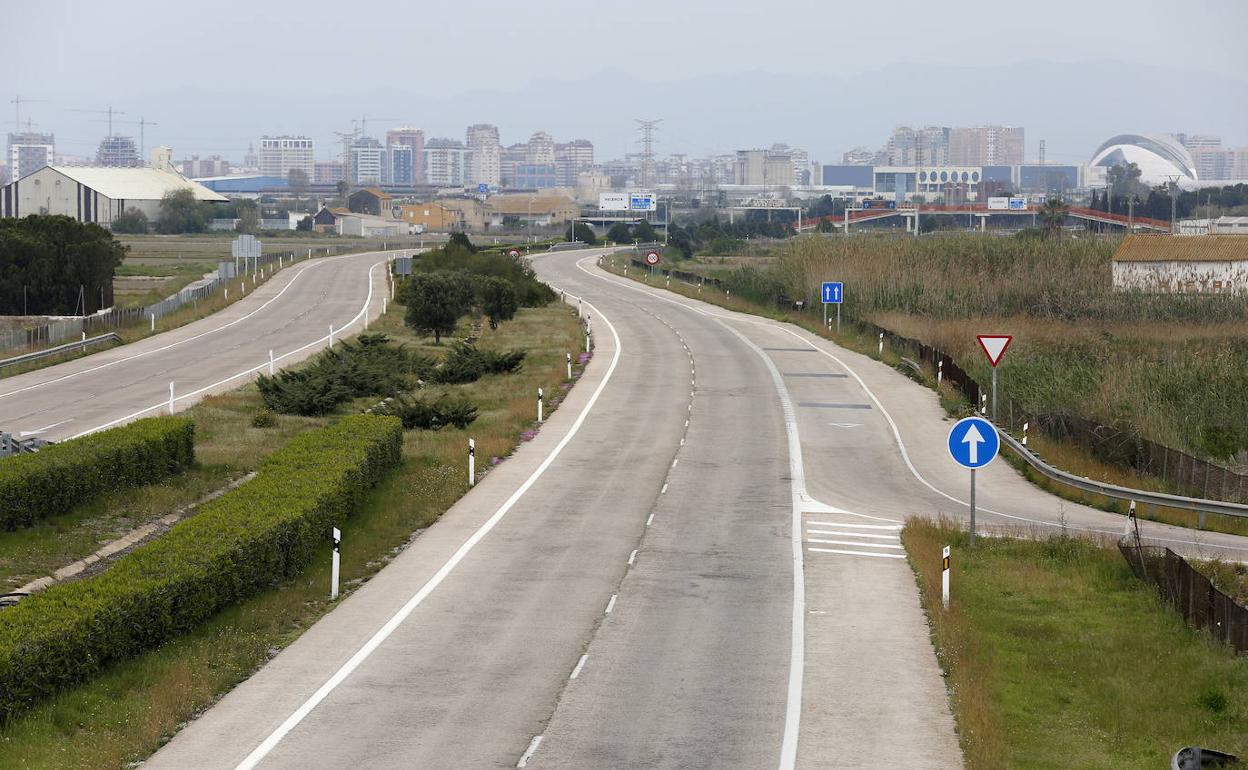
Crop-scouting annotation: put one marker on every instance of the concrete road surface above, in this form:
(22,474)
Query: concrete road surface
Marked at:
(290,314)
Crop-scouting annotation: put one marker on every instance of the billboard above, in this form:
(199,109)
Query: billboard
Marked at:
(613,201)
(642,201)
(1007,204)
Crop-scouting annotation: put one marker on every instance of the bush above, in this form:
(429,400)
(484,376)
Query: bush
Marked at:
(420,414)
(61,476)
(263,532)
(465,363)
(130,221)
(370,366)
(264,419)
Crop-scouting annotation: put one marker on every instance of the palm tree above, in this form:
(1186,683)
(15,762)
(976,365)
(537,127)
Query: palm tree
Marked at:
(1053,215)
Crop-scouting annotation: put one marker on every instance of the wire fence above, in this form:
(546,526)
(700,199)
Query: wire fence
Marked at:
(61,329)
(1200,603)
(1185,473)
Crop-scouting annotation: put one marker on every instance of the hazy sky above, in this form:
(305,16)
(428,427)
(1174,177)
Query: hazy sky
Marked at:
(215,76)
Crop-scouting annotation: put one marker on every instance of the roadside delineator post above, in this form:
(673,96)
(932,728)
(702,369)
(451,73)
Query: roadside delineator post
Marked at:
(331,336)
(944,578)
(569,366)
(540,396)
(587,333)
(333,571)
(881,344)
(170,397)
(940,371)
(983,403)
(1025,426)
(153,317)
(270,363)
(472,463)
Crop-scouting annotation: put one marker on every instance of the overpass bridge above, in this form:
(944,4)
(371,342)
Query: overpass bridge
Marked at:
(857,215)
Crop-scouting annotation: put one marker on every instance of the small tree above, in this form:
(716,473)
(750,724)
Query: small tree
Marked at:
(305,224)
(459,240)
(619,233)
(583,234)
(1053,215)
(130,221)
(181,213)
(248,220)
(497,298)
(644,232)
(680,241)
(435,301)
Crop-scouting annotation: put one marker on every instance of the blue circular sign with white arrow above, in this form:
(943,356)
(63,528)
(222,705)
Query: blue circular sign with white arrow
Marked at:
(973,442)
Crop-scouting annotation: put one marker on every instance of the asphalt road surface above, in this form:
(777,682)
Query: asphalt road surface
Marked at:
(289,314)
(695,564)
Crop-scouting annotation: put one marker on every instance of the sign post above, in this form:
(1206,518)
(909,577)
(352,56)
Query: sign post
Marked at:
(832,293)
(973,443)
(994,346)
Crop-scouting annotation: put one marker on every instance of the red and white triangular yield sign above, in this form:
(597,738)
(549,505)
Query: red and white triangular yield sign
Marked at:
(994,346)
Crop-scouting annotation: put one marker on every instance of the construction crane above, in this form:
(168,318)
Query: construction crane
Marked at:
(364,122)
(17,103)
(110,112)
(142,123)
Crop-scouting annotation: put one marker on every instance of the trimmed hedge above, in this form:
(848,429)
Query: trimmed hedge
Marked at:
(254,536)
(61,476)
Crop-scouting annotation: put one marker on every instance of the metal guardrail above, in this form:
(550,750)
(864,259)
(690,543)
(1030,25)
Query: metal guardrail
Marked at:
(108,336)
(1122,493)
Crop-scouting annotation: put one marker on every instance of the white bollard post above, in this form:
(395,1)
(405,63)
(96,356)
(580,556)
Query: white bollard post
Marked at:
(472,463)
(881,344)
(1025,427)
(171,397)
(153,317)
(227,293)
(333,571)
(270,363)
(309,253)
(383,305)
(331,336)
(944,579)
(940,372)
(569,366)
(983,403)
(540,396)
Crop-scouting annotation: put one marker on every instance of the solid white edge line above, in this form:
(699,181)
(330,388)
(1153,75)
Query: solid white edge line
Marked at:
(580,664)
(267,302)
(858,553)
(632,557)
(274,738)
(530,751)
(165,402)
(649,519)
(611,604)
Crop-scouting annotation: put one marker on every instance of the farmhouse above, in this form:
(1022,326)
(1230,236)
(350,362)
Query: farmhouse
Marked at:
(1199,264)
(95,193)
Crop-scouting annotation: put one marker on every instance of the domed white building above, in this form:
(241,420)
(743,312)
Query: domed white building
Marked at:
(1159,157)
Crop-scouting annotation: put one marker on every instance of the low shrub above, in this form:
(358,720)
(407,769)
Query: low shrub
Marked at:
(264,531)
(436,414)
(466,363)
(61,476)
(264,419)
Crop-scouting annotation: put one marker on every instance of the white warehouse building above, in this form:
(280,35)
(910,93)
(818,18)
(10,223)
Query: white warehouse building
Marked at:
(95,193)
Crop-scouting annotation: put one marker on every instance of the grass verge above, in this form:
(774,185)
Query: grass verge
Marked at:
(133,707)
(1057,657)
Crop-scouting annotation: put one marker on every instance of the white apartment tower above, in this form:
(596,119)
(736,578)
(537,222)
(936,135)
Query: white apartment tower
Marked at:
(279,154)
(485,155)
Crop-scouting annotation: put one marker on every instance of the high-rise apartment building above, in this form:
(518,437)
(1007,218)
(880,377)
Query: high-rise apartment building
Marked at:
(541,150)
(986,146)
(195,167)
(30,151)
(446,163)
(413,138)
(766,168)
(366,156)
(485,155)
(327,172)
(571,159)
(399,165)
(279,154)
(928,146)
(1211,159)
(117,151)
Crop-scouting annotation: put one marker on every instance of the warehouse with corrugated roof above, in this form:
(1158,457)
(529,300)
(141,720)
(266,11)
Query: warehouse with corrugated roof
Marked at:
(95,193)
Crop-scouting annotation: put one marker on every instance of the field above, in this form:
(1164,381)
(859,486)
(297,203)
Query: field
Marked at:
(1056,656)
(129,711)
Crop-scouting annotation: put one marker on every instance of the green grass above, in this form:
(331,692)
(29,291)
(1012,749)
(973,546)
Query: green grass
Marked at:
(135,706)
(1057,657)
